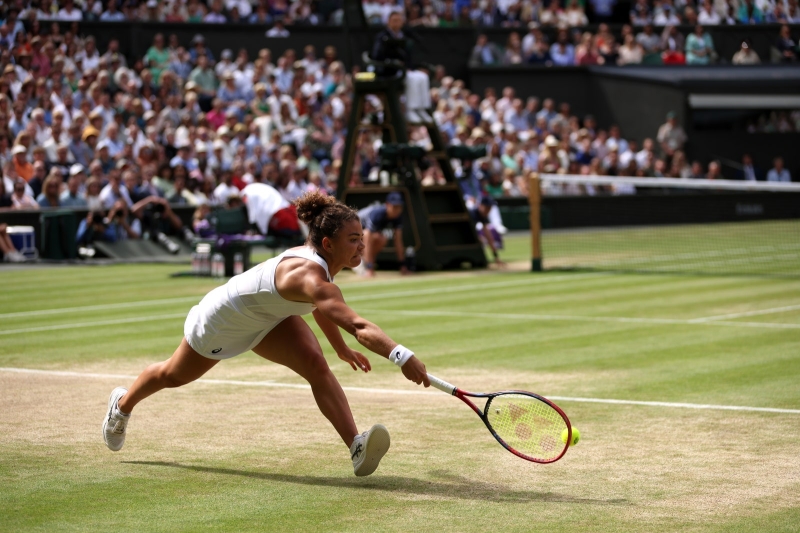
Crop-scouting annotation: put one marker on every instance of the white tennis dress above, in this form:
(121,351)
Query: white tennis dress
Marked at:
(233,318)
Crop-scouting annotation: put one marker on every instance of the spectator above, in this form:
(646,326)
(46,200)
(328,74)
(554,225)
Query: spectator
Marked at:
(749,171)
(640,15)
(785,46)
(72,197)
(278,30)
(562,52)
(714,171)
(666,17)
(603,9)
(708,16)
(699,47)
(51,191)
(22,167)
(69,12)
(697,171)
(485,53)
(541,55)
(651,45)
(778,172)
(745,56)
(157,58)
(749,13)
(215,15)
(671,136)
(672,44)
(513,52)
(631,52)
(20,198)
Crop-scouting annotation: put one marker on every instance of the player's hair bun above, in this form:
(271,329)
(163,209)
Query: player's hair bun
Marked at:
(312,204)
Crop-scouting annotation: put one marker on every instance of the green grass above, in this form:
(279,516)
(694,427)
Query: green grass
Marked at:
(763,248)
(225,457)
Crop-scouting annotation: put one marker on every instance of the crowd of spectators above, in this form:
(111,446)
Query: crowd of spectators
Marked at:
(126,138)
(429,13)
(646,45)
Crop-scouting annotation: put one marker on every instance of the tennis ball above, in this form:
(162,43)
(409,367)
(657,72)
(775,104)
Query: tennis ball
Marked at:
(576,436)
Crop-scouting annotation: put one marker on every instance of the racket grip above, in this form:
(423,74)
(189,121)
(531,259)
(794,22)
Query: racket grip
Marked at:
(442,385)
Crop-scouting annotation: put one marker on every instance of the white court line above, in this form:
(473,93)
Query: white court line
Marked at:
(580,318)
(92,324)
(102,307)
(366,297)
(748,313)
(65,373)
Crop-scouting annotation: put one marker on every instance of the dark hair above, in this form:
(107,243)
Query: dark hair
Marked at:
(323,215)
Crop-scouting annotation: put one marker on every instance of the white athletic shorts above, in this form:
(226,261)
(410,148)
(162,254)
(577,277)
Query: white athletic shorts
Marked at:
(216,329)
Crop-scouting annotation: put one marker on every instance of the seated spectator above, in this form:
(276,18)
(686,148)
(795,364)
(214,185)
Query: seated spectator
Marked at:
(778,172)
(485,53)
(603,9)
(785,46)
(749,13)
(574,15)
(708,16)
(640,15)
(714,171)
(513,52)
(20,198)
(72,196)
(671,136)
(749,172)
(673,45)
(666,16)
(631,52)
(51,191)
(541,55)
(562,51)
(115,191)
(746,55)
(651,45)
(699,47)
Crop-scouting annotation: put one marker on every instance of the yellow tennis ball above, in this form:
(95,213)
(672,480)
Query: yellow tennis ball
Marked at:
(576,436)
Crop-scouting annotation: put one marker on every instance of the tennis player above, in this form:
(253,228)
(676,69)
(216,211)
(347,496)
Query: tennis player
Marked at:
(260,310)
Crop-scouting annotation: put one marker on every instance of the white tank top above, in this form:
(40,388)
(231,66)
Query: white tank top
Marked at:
(253,293)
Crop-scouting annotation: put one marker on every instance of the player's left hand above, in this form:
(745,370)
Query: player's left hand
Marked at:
(356,359)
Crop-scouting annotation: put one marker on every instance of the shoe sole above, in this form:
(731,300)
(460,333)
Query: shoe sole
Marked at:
(115,395)
(374,449)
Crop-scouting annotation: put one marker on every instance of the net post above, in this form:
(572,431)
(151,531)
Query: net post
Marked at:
(535,202)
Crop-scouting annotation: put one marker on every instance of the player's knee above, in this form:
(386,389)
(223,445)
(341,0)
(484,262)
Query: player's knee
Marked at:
(316,367)
(169,378)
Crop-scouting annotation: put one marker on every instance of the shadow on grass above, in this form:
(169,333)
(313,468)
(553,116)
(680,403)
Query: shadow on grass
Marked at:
(456,486)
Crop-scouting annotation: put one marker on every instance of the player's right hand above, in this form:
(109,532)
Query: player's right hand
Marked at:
(414,370)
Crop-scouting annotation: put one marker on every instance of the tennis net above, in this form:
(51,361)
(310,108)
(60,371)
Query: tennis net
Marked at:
(665,225)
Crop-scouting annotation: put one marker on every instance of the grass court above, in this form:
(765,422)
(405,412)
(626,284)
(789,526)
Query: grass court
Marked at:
(247,450)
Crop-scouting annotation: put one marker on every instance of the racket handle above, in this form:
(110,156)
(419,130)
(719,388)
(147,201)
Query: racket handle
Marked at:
(442,385)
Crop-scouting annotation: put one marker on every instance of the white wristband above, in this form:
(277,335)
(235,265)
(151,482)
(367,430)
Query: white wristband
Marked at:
(400,354)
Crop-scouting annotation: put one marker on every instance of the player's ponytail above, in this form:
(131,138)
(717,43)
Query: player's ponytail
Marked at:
(323,215)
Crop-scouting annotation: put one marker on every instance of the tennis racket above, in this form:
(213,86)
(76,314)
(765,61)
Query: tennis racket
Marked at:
(526,424)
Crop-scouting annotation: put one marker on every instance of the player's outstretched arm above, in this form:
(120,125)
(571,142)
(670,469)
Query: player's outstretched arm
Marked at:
(330,303)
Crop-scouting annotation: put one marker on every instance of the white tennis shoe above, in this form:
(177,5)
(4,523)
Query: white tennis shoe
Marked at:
(368,449)
(115,422)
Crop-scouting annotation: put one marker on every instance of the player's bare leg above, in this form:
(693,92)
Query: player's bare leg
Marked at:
(293,345)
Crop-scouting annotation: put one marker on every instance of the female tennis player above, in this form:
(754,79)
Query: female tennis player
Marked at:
(260,310)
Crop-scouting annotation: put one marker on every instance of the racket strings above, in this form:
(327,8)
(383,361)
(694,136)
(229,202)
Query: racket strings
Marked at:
(527,424)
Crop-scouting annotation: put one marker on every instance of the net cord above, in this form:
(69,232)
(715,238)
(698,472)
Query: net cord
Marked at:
(720,185)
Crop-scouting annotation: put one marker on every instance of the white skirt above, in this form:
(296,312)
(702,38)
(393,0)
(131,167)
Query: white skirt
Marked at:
(215,329)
